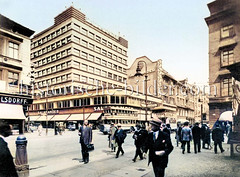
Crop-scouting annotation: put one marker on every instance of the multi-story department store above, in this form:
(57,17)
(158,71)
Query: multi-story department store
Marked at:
(74,53)
(72,57)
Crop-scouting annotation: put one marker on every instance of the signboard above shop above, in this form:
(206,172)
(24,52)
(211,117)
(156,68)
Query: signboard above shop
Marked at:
(15,100)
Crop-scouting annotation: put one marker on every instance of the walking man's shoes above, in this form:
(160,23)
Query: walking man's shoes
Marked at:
(134,160)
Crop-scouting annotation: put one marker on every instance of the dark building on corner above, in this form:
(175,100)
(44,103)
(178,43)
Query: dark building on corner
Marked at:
(224,51)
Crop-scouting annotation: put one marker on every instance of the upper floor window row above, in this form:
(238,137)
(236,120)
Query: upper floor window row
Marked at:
(99,39)
(51,47)
(51,36)
(53,57)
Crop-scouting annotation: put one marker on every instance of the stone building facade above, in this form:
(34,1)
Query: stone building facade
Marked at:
(15,70)
(224,50)
(180,101)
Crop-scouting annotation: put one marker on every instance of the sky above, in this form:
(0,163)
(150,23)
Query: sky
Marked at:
(174,31)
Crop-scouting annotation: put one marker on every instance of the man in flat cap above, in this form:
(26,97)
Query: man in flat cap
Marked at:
(160,146)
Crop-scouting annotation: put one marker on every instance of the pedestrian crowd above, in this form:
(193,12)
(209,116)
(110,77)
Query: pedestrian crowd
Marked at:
(185,134)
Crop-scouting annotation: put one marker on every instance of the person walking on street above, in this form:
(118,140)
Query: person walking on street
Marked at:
(138,136)
(160,146)
(203,132)
(40,128)
(218,138)
(186,137)
(119,136)
(85,133)
(112,140)
(228,128)
(196,132)
(207,139)
(167,129)
(178,134)
(7,167)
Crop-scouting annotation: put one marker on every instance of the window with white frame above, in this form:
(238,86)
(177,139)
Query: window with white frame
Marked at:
(98,49)
(90,80)
(84,31)
(13,50)
(90,69)
(97,71)
(76,39)
(98,60)
(83,79)
(76,52)
(98,38)
(84,43)
(91,35)
(84,67)
(91,46)
(227,31)
(104,62)
(227,57)
(226,87)
(76,77)
(91,57)
(104,73)
(13,78)
(84,55)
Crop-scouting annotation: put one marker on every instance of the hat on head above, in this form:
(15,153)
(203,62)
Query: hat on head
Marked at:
(119,125)
(156,122)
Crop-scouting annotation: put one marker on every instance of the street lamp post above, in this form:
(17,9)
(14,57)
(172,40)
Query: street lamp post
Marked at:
(46,115)
(138,70)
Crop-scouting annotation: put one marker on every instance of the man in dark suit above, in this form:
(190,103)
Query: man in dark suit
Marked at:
(120,135)
(7,167)
(85,133)
(160,146)
(139,136)
(218,138)
(196,132)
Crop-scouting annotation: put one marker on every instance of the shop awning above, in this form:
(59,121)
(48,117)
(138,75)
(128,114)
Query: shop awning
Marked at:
(34,118)
(11,111)
(226,116)
(44,118)
(77,117)
(166,108)
(94,116)
(62,117)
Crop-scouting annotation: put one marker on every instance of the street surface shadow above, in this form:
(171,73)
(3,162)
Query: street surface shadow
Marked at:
(78,159)
(108,152)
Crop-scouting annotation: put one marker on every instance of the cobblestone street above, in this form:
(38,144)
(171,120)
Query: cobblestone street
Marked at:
(59,156)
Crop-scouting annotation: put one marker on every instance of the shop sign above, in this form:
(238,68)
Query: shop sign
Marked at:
(13,100)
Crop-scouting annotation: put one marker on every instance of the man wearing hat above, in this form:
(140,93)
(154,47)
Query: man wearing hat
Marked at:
(139,136)
(196,132)
(218,138)
(160,146)
(120,135)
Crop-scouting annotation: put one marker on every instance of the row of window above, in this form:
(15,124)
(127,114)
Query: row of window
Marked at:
(97,71)
(80,102)
(51,36)
(51,47)
(99,39)
(52,58)
(59,79)
(91,57)
(53,69)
